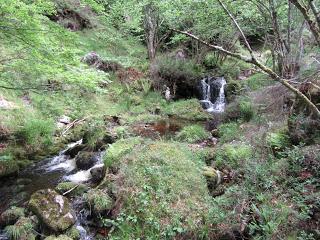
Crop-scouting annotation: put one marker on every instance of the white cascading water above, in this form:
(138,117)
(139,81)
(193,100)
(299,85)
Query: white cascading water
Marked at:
(213,105)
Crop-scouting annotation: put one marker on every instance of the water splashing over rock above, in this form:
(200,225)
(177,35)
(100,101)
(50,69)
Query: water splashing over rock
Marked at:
(213,94)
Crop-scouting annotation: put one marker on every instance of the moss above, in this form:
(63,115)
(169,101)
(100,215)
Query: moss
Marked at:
(73,233)
(166,175)
(193,133)
(8,166)
(22,229)
(11,215)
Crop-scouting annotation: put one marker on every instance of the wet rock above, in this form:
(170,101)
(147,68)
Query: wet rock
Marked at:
(11,215)
(85,160)
(60,237)
(53,209)
(8,168)
(79,189)
(98,173)
(73,151)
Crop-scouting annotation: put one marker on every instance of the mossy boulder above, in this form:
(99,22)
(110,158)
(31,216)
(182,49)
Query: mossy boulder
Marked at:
(85,160)
(8,167)
(11,215)
(53,210)
(79,189)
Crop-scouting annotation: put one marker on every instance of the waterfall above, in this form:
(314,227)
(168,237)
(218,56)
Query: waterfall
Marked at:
(213,94)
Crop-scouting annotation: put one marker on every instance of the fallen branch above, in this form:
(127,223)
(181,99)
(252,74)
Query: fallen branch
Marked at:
(72,124)
(69,191)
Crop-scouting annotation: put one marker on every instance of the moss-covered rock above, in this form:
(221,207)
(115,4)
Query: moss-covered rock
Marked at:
(53,209)
(11,215)
(79,189)
(8,167)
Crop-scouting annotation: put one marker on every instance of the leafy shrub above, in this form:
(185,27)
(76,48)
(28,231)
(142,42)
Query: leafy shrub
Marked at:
(36,133)
(173,69)
(228,131)
(240,109)
(271,218)
(193,133)
(246,110)
(233,155)
(278,141)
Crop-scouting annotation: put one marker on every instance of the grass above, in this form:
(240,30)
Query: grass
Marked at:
(228,131)
(187,109)
(166,175)
(192,134)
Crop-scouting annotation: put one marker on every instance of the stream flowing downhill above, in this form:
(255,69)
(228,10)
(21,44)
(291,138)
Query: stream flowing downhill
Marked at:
(47,174)
(213,94)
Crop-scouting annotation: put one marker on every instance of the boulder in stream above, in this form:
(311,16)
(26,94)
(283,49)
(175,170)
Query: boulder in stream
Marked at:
(53,210)
(73,151)
(98,173)
(85,160)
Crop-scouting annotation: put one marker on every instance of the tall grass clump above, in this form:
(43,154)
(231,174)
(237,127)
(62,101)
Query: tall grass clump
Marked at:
(192,134)
(36,133)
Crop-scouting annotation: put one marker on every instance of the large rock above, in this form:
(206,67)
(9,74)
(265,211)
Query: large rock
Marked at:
(8,167)
(85,160)
(98,173)
(53,210)
(73,151)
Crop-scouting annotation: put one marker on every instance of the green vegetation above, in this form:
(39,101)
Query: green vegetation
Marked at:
(167,175)
(101,71)
(192,134)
